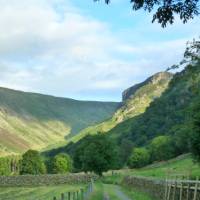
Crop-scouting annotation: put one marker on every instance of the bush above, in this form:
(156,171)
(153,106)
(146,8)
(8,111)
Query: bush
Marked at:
(139,158)
(32,163)
(61,164)
(161,148)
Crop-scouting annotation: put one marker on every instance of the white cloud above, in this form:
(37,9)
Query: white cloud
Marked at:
(49,46)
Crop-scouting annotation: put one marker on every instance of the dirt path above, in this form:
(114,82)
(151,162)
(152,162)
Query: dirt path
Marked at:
(114,192)
(121,194)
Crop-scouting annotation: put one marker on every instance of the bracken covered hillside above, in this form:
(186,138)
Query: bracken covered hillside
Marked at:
(29,120)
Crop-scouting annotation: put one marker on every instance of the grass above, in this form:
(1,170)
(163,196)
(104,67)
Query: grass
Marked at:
(182,165)
(101,189)
(98,192)
(33,193)
(135,194)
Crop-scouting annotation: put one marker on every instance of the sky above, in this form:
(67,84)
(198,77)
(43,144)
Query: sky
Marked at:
(83,49)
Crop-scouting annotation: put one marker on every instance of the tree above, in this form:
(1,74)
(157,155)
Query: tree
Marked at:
(195,135)
(167,9)
(5,166)
(161,148)
(95,154)
(32,163)
(191,55)
(139,158)
(61,164)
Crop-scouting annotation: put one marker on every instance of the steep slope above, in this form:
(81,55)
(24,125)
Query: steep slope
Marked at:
(133,106)
(167,115)
(29,120)
(135,101)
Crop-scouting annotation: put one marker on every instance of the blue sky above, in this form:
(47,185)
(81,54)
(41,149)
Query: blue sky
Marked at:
(84,50)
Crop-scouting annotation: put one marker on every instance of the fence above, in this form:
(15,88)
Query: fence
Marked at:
(169,189)
(182,189)
(82,194)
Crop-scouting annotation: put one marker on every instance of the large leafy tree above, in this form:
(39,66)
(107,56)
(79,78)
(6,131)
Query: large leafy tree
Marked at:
(32,163)
(195,134)
(95,154)
(166,10)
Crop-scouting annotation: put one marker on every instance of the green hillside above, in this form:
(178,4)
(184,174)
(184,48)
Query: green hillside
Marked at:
(29,120)
(167,115)
(135,104)
(135,101)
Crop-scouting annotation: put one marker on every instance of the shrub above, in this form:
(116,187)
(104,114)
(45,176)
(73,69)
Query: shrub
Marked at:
(139,158)
(61,164)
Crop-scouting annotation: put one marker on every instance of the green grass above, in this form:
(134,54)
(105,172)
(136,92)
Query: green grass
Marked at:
(98,192)
(182,165)
(135,194)
(36,193)
(100,189)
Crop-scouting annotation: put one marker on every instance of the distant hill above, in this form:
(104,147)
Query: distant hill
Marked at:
(30,120)
(135,103)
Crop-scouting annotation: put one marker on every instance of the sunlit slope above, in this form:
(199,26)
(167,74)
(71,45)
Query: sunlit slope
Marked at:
(167,115)
(135,102)
(29,120)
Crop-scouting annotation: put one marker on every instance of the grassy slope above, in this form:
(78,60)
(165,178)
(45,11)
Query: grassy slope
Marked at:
(29,120)
(182,165)
(32,193)
(136,104)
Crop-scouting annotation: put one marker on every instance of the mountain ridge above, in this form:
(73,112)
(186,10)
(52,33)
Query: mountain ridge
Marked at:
(32,120)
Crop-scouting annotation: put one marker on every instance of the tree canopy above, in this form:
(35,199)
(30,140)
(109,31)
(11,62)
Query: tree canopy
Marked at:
(166,10)
(139,158)
(32,163)
(61,164)
(95,154)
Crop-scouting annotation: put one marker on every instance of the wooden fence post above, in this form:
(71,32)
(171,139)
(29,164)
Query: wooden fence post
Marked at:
(188,191)
(82,193)
(175,186)
(77,194)
(169,190)
(69,196)
(74,196)
(166,189)
(181,191)
(195,189)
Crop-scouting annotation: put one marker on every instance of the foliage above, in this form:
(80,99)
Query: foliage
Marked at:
(5,168)
(139,158)
(96,154)
(61,164)
(195,136)
(161,148)
(191,54)
(32,163)
(166,10)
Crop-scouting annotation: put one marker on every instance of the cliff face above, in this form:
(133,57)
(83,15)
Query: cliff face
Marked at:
(157,78)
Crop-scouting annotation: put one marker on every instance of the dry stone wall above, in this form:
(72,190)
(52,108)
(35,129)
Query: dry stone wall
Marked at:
(39,180)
